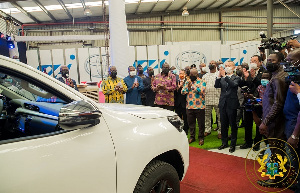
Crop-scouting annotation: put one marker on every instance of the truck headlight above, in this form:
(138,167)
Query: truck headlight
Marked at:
(177,122)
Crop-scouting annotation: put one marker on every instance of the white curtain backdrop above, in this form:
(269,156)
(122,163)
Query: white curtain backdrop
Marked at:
(119,46)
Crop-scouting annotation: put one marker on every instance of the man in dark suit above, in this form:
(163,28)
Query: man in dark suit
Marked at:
(64,70)
(180,100)
(228,103)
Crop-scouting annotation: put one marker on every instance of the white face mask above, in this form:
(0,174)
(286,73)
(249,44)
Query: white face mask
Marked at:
(228,70)
(203,69)
(132,73)
(253,66)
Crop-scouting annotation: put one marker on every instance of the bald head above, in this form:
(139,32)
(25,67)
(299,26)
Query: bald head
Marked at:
(194,72)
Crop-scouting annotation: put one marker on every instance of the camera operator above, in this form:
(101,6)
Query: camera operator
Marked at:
(292,109)
(259,61)
(247,82)
(272,125)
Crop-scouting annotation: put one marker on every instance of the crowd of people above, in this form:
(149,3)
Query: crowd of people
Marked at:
(227,89)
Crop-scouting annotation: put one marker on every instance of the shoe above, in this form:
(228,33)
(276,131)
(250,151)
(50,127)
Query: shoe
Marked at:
(232,149)
(219,136)
(256,147)
(270,183)
(191,140)
(222,147)
(206,134)
(201,142)
(245,146)
(216,129)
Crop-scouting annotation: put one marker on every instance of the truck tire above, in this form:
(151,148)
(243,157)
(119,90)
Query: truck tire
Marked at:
(158,176)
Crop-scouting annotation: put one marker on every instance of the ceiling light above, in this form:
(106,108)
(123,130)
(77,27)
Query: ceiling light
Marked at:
(87,11)
(185,11)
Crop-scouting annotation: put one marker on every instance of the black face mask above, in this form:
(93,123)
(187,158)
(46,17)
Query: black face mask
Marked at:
(239,72)
(211,67)
(141,71)
(113,74)
(187,72)
(166,71)
(151,73)
(65,73)
(193,78)
(272,67)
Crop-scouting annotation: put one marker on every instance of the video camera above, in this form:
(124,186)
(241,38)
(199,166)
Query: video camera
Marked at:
(273,42)
(294,72)
(253,104)
(245,90)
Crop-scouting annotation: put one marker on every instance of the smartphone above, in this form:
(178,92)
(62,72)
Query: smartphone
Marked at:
(135,80)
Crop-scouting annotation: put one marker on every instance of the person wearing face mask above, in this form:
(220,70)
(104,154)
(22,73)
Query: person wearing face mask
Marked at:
(194,89)
(113,87)
(149,94)
(272,125)
(212,97)
(135,86)
(228,103)
(164,85)
(203,70)
(258,60)
(180,100)
(292,116)
(64,70)
(140,73)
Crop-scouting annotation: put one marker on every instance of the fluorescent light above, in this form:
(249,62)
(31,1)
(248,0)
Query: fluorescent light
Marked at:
(132,1)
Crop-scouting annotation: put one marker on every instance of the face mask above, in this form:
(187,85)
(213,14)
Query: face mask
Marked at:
(272,67)
(181,76)
(211,67)
(264,82)
(239,72)
(193,78)
(132,73)
(150,73)
(187,72)
(113,74)
(174,71)
(253,66)
(65,73)
(228,70)
(141,71)
(203,69)
(166,71)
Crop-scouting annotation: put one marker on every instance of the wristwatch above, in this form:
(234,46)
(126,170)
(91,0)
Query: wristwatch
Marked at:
(294,137)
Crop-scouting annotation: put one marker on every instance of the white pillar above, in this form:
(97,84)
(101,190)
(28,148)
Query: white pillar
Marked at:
(119,48)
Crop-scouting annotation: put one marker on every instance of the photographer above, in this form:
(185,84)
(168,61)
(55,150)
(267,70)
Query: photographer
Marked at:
(247,82)
(272,125)
(291,111)
(293,43)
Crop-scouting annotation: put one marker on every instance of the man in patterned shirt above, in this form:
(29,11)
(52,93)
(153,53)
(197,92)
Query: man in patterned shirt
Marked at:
(195,104)
(164,85)
(212,96)
(113,87)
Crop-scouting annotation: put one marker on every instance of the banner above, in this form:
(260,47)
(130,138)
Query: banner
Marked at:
(46,62)
(33,58)
(71,62)
(58,60)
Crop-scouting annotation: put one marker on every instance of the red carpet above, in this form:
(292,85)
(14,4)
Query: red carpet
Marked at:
(211,172)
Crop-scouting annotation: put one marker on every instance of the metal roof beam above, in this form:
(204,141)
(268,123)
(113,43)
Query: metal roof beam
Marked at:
(138,6)
(240,1)
(83,4)
(181,8)
(197,5)
(153,6)
(45,10)
(169,6)
(246,4)
(65,9)
(211,4)
(16,5)
(222,5)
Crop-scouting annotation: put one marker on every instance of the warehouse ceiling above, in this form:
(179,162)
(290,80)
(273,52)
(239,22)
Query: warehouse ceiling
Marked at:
(56,11)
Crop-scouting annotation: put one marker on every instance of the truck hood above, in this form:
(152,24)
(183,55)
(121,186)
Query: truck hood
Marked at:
(140,111)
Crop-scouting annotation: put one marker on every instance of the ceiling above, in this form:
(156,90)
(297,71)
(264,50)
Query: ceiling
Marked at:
(54,11)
